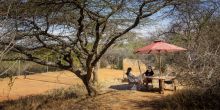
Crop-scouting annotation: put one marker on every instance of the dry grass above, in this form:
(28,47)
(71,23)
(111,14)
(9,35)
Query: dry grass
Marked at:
(75,98)
(191,99)
(62,100)
(35,102)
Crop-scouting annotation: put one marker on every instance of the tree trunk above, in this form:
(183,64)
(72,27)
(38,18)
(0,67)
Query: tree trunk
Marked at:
(90,89)
(95,74)
(86,80)
(88,84)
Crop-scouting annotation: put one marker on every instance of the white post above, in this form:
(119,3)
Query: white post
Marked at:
(19,67)
(47,66)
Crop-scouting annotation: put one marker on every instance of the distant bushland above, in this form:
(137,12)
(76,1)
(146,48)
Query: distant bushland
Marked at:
(13,68)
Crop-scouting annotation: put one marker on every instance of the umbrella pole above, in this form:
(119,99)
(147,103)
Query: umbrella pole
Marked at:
(160,63)
(139,67)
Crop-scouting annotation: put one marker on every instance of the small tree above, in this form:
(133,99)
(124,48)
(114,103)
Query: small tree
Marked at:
(72,29)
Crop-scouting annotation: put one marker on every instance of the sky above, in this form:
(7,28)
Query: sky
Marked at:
(161,22)
(149,29)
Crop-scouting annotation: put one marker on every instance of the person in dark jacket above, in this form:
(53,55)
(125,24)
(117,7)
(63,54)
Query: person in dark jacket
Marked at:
(149,72)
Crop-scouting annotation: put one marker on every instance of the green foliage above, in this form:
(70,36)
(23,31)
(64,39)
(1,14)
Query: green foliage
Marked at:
(177,39)
(23,68)
(26,67)
(124,48)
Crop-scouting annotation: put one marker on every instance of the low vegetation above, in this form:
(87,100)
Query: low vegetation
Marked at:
(75,96)
(41,101)
(192,99)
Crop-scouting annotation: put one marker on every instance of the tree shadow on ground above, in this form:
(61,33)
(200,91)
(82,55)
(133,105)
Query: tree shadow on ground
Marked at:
(139,88)
(153,104)
(117,99)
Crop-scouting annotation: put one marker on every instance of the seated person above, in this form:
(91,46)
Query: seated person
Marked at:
(149,72)
(131,77)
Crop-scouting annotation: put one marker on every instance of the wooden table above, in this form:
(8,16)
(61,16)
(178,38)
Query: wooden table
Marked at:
(161,80)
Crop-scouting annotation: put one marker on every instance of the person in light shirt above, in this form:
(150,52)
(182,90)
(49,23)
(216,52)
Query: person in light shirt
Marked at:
(130,76)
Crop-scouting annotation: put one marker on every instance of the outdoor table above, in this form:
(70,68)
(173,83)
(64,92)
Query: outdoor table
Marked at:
(161,80)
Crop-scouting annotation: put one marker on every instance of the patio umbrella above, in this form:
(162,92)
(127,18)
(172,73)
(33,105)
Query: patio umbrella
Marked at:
(158,47)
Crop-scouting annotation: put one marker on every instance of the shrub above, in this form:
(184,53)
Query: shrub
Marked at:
(190,99)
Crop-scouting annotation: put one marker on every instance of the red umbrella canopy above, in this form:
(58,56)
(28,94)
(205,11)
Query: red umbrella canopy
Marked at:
(159,47)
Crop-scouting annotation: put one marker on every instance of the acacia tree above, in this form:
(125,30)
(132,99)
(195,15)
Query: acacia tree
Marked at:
(71,29)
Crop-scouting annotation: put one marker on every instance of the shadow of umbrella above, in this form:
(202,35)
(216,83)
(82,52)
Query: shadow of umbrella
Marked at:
(121,87)
(142,88)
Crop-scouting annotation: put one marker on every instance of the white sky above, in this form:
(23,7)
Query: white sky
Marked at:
(160,23)
(148,30)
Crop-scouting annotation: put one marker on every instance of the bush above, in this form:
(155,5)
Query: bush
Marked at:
(191,99)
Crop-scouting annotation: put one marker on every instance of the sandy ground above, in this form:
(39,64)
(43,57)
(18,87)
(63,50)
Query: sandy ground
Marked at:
(40,83)
(116,97)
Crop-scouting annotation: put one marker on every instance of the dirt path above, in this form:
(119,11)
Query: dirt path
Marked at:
(112,100)
(122,100)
